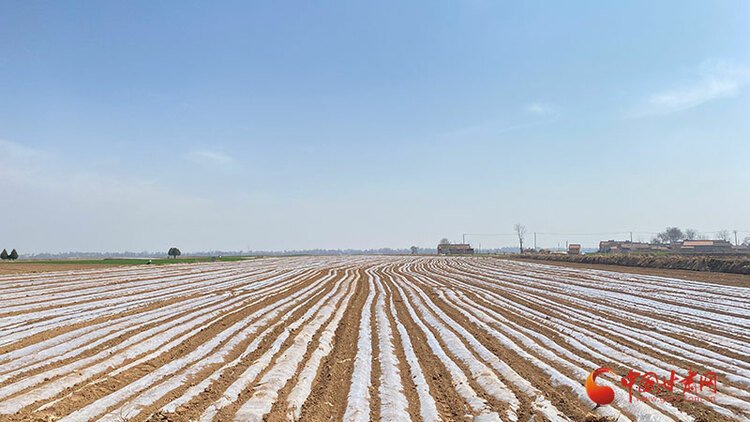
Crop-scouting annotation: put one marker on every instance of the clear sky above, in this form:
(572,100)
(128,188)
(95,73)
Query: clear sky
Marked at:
(291,125)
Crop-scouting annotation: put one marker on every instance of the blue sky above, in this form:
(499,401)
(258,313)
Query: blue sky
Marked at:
(290,125)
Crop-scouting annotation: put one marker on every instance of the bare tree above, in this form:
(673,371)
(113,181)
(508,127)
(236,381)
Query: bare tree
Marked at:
(691,234)
(414,250)
(445,241)
(521,232)
(723,235)
(670,235)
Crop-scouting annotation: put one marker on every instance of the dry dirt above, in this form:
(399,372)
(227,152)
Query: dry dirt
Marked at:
(367,338)
(33,267)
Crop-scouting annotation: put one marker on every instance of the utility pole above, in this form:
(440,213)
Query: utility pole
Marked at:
(631,237)
(463,238)
(534,240)
(735,239)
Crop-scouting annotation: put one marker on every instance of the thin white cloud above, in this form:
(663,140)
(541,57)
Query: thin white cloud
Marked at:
(541,109)
(541,114)
(709,89)
(204,156)
(19,162)
(714,80)
(13,150)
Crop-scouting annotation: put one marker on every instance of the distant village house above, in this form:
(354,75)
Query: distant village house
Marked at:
(626,246)
(686,246)
(455,249)
(703,246)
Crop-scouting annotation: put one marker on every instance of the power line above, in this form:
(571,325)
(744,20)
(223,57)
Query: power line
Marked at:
(590,234)
(489,234)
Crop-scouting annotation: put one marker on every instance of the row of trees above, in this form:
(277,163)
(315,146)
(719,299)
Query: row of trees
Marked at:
(669,235)
(13,255)
(675,234)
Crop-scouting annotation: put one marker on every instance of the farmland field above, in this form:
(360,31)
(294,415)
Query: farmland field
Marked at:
(45,265)
(366,338)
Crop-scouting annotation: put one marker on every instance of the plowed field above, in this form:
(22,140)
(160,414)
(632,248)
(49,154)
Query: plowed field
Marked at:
(367,338)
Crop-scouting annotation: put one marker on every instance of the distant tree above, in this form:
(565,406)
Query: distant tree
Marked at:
(670,235)
(13,255)
(414,250)
(674,234)
(691,234)
(4,255)
(445,241)
(174,252)
(521,232)
(724,235)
